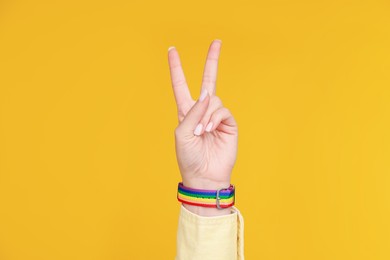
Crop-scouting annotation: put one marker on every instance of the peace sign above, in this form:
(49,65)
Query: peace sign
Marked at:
(207,134)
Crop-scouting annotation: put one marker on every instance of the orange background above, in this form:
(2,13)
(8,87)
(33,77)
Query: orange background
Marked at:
(87,114)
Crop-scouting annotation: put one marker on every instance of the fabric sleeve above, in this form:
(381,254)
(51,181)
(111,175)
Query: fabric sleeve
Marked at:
(210,238)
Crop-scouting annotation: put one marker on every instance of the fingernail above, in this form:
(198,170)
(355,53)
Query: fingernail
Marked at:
(209,126)
(203,95)
(170,48)
(218,40)
(198,129)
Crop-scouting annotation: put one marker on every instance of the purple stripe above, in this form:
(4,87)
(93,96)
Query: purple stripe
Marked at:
(229,191)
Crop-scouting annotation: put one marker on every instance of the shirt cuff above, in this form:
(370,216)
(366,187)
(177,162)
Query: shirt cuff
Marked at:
(217,237)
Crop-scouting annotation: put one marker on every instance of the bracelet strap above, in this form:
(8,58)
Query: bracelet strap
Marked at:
(221,198)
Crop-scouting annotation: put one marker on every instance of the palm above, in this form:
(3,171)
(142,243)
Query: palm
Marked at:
(208,157)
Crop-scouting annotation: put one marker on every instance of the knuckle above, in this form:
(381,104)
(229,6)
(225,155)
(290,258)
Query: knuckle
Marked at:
(180,115)
(217,101)
(226,111)
(207,79)
(177,131)
(179,82)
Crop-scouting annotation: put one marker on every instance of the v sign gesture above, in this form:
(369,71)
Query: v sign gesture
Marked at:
(207,134)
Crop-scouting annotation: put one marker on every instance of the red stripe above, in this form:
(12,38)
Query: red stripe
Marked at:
(206,205)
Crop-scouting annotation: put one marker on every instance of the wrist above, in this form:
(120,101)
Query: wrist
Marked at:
(205,184)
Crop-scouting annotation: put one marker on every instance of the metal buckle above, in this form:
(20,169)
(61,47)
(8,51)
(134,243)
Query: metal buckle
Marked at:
(218,198)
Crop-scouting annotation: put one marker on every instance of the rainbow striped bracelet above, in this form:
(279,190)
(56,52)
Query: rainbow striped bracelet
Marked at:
(221,198)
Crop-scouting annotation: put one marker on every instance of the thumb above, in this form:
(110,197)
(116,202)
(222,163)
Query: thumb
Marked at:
(189,125)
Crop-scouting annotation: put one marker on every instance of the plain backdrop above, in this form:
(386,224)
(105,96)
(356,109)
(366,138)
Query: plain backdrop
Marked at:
(87,117)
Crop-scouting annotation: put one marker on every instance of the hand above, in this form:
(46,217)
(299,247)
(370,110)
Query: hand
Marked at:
(207,134)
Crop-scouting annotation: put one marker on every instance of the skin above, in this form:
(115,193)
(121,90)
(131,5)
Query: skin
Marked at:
(205,158)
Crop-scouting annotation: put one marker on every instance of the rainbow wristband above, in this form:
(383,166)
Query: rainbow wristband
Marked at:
(221,198)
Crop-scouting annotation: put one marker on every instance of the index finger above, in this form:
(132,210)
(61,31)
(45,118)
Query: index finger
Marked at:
(180,88)
(210,70)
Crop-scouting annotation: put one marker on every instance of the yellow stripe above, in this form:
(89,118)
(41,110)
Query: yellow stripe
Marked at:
(205,200)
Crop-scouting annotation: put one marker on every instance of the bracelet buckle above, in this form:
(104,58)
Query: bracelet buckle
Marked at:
(218,198)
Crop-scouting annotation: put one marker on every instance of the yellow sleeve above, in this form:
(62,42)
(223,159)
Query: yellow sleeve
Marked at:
(210,238)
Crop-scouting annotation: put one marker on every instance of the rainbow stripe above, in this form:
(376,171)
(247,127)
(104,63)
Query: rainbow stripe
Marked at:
(206,198)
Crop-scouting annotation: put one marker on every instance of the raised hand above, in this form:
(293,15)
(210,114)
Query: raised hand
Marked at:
(207,134)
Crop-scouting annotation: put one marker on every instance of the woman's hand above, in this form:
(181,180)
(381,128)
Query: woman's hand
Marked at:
(207,134)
